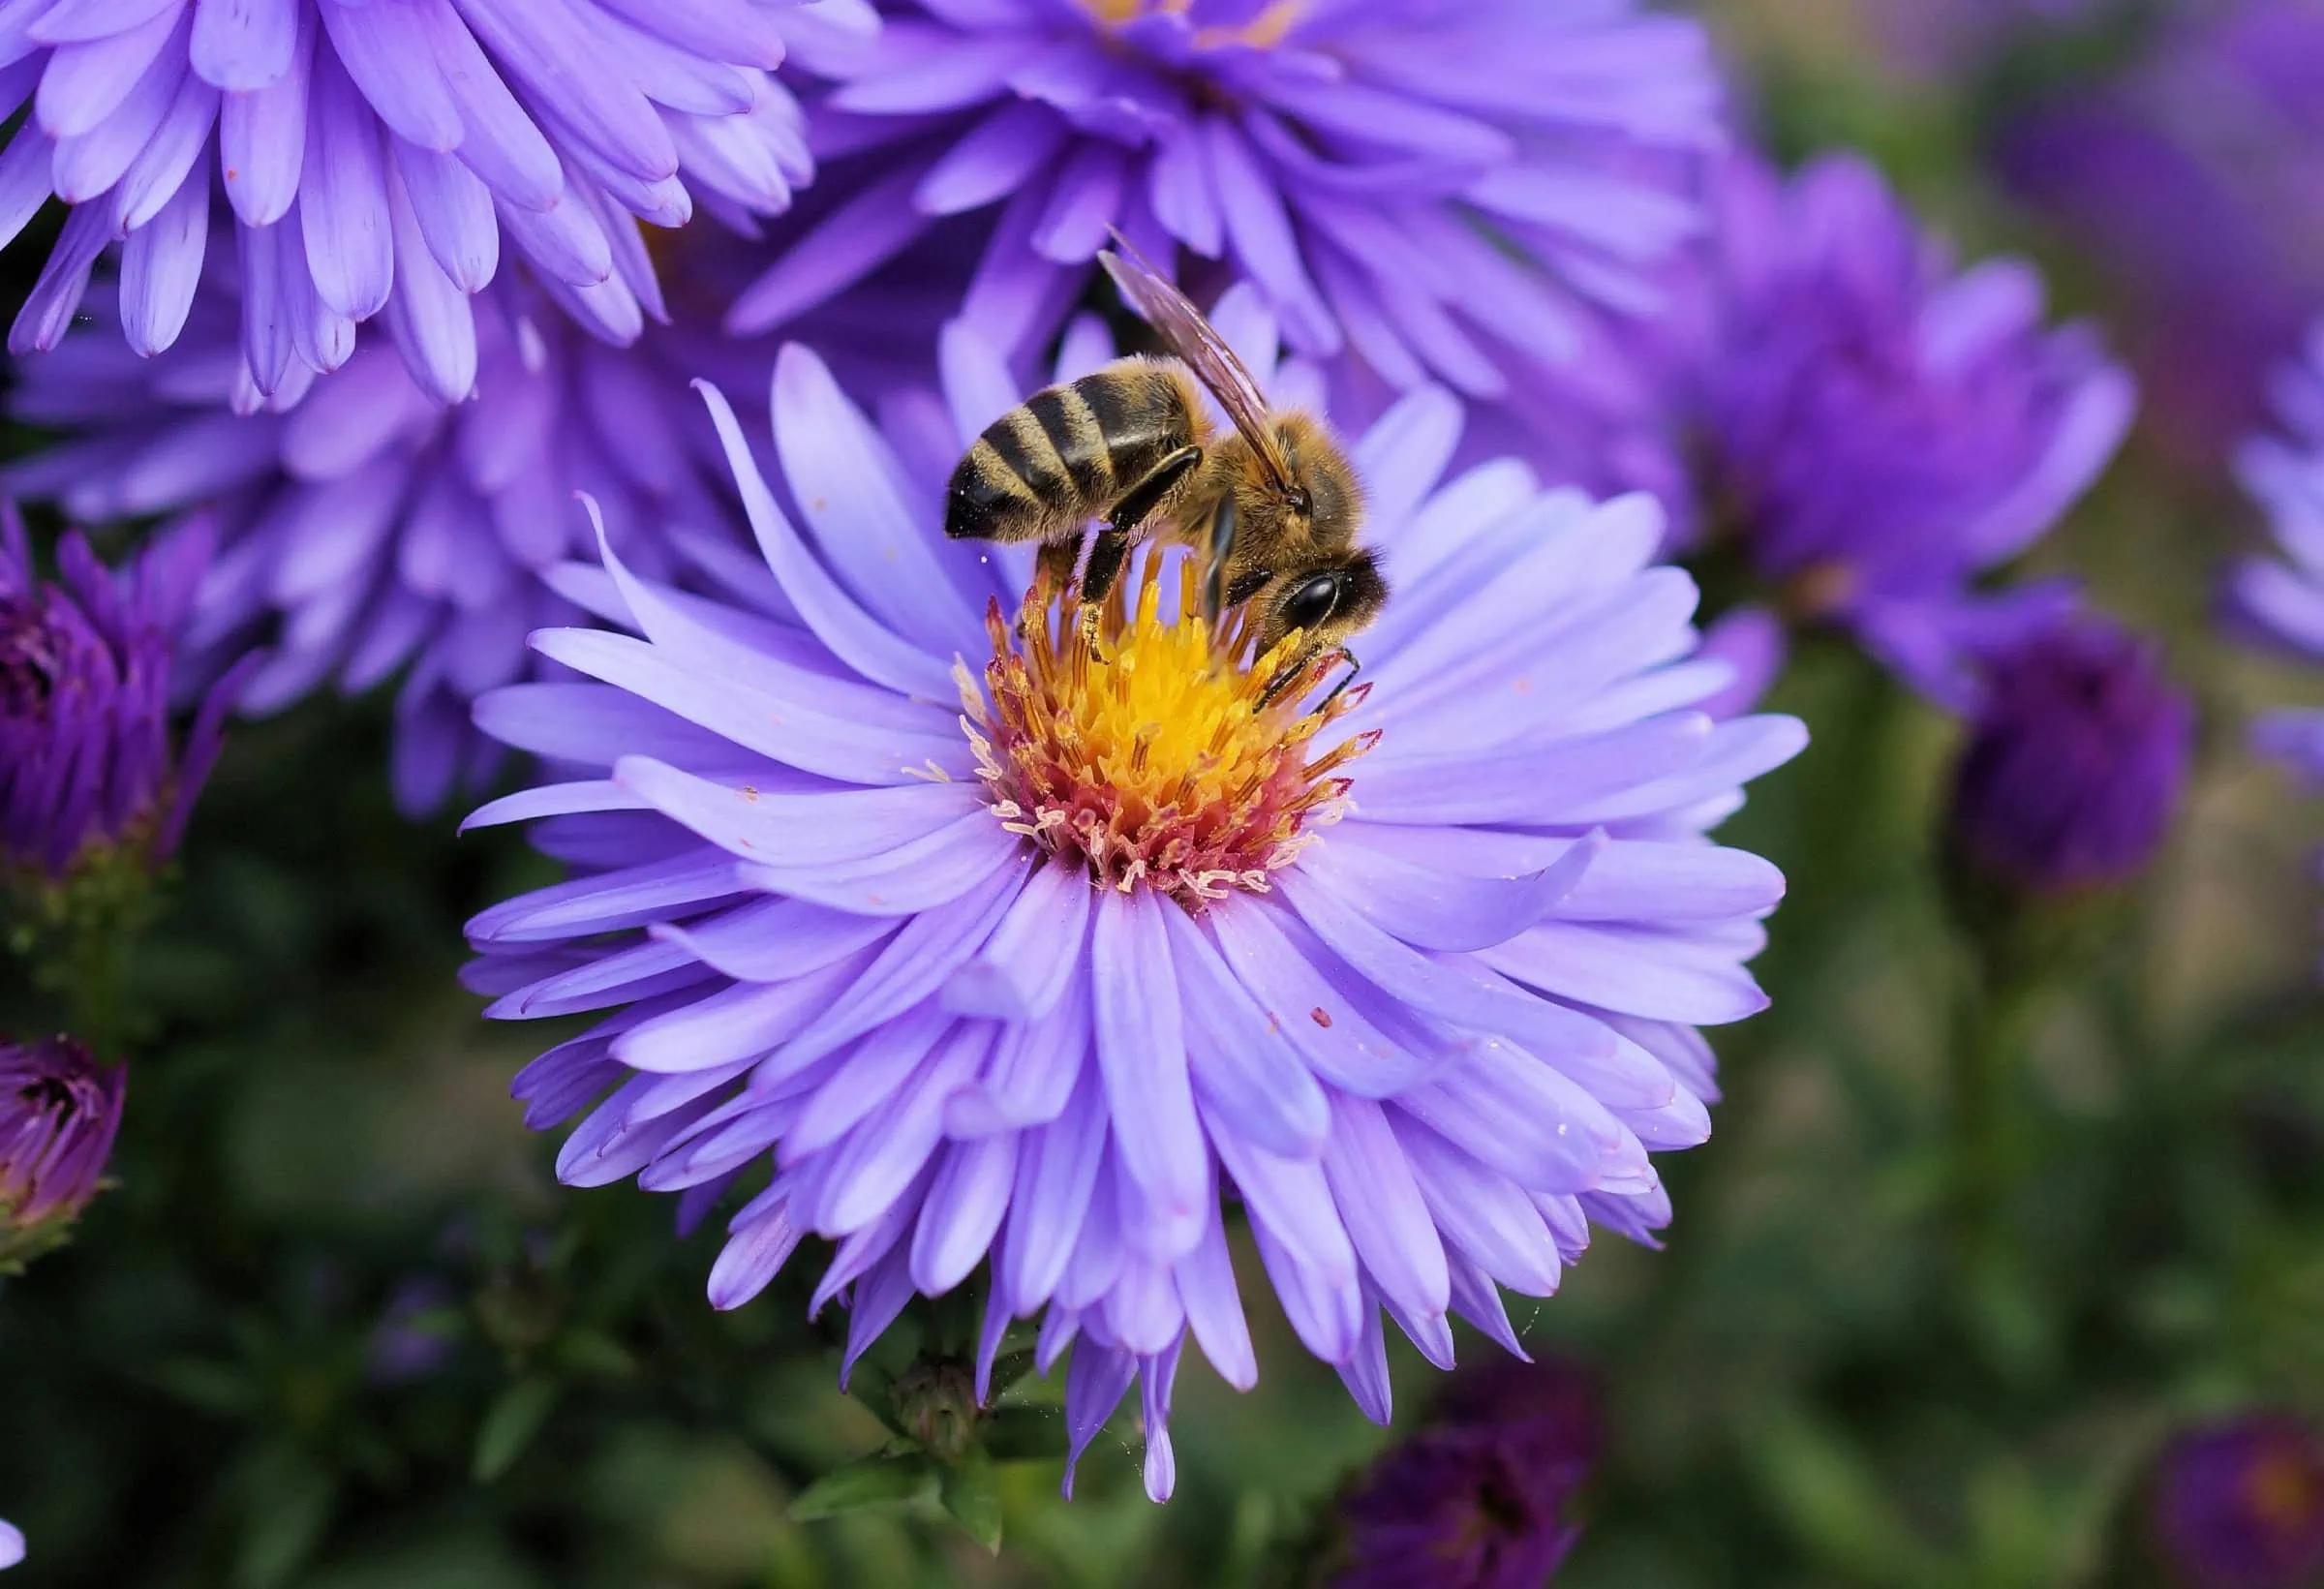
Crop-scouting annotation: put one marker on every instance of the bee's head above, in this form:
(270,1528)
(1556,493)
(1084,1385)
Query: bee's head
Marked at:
(1326,602)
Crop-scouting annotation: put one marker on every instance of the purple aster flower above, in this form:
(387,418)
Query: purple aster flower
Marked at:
(59,1109)
(1874,428)
(1481,1498)
(996,946)
(365,526)
(1435,186)
(11,1545)
(87,766)
(373,157)
(2241,1504)
(2280,601)
(2076,762)
(2190,177)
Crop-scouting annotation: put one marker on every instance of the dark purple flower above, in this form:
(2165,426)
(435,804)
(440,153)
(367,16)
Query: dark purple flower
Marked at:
(59,1109)
(1876,428)
(2076,761)
(2190,178)
(375,157)
(2241,1504)
(86,759)
(1484,1498)
(2279,601)
(987,947)
(1433,187)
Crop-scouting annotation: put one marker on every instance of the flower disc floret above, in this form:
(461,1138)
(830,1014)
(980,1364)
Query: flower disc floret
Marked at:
(1147,748)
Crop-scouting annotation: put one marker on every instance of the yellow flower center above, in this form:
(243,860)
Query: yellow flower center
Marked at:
(1150,750)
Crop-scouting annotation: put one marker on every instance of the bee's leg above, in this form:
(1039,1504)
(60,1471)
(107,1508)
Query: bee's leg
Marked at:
(1340,688)
(1222,546)
(1298,668)
(1134,506)
(1055,561)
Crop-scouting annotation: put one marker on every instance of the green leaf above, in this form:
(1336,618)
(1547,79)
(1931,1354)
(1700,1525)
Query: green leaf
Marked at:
(972,1497)
(875,1481)
(288,1505)
(511,1423)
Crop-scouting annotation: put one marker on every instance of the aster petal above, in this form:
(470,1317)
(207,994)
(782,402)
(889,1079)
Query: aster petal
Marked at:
(344,217)
(262,137)
(910,969)
(499,141)
(1487,1217)
(158,176)
(875,1164)
(1589,779)
(87,81)
(609,900)
(963,1211)
(762,1241)
(1205,1278)
(853,494)
(1057,1170)
(1520,1118)
(161,267)
(244,45)
(1381,1203)
(376,46)
(1142,1056)
(1434,909)
(592,725)
(917,877)
(853,636)
(453,209)
(1244,1071)
(992,160)
(1339,1044)
(865,232)
(773,941)
(785,731)
(738,1024)
(1022,973)
(552,49)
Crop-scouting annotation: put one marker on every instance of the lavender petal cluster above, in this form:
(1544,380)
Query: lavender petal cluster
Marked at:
(2239,1503)
(375,158)
(831,941)
(362,526)
(1435,189)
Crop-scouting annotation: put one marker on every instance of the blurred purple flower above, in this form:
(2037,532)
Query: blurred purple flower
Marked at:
(1481,1498)
(2192,176)
(1438,187)
(843,924)
(2076,762)
(2280,602)
(374,156)
(11,1545)
(2241,1504)
(59,1109)
(86,761)
(1877,429)
(365,527)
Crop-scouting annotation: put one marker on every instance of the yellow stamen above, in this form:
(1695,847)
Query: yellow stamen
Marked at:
(1150,750)
(1262,32)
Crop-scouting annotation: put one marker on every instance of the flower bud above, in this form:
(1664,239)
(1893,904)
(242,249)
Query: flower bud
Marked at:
(2076,761)
(59,1109)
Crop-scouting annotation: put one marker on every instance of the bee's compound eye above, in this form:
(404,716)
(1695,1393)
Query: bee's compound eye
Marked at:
(1309,604)
(1300,502)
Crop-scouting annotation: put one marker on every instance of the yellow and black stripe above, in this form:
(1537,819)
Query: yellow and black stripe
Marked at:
(1066,455)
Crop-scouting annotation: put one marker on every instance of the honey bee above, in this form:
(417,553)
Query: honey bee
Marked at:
(1273,505)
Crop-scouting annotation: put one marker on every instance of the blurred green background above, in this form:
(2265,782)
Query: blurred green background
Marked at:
(339,1328)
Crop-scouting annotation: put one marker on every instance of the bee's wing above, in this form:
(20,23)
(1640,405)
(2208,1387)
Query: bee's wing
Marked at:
(1187,334)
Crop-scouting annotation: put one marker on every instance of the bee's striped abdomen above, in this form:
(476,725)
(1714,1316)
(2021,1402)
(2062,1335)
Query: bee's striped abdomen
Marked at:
(1066,455)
